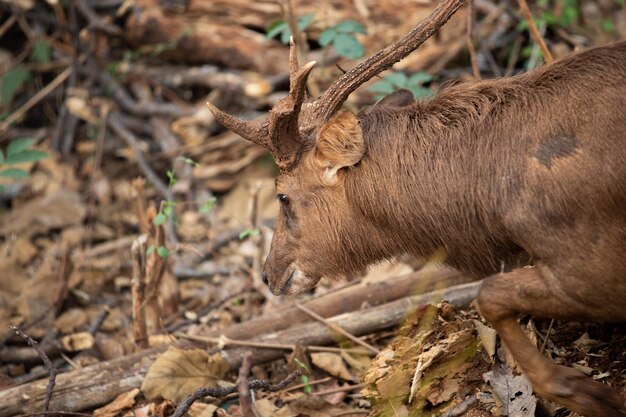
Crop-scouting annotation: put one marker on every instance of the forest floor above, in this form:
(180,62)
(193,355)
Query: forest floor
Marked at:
(133,226)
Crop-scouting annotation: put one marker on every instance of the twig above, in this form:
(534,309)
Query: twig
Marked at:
(534,31)
(203,312)
(225,341)
(545,340)
(97,322)
(461,408)
(51,368)
(41,94)
(140,332)
(339,389)
(120,130)
(55,413)
(119,94)
(7,25)
(470,42)
(245,396)
(222,392)
(338,329)
(94,20)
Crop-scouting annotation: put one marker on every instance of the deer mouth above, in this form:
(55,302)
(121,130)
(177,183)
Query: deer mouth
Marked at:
(281,289)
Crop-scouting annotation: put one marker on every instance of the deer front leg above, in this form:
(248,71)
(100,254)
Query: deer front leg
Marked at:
(502,297)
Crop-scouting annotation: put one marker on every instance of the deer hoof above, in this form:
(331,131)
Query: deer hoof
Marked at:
(577,392)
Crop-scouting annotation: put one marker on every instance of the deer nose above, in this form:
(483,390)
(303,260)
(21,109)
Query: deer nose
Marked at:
(264,278)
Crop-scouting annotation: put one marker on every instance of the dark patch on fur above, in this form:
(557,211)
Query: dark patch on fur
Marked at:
(556,147)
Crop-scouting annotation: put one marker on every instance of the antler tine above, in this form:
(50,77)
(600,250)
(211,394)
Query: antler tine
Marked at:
(327,104)
(293,63)
(254,131)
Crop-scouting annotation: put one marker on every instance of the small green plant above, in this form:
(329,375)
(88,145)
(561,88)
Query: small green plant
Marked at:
(546,15)
(248,233)
(280,28)
(14,79)
(208,206)
(397,80)
(342,37)
(161,251)
(304,378)
(18,152)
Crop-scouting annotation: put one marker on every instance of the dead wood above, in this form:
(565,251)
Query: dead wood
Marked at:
(346,299)
(358,323)
(97,384)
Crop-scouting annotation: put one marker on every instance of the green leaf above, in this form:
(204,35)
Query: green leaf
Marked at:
(285,36)
(305,21)
(619,2)
(11,82)
(167,211)
(248,233)
(163,252)
(327,37)
(150,249)
(18,145)
(208,206)
(1,157)
(189,161)
(607,26)
(383,86)
(348,46)
(420,77)
(307,387)
(160,219)
(275,28)
(41,52)
(15,173)
(398,79)
(171,177)
(25,156)
(301,365)
(350,26)
(420,92)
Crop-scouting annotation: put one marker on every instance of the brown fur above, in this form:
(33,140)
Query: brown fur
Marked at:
(524,171)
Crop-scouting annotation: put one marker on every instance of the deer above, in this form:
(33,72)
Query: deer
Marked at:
(520,180)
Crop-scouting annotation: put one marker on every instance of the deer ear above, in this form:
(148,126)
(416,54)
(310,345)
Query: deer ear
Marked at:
(339,144)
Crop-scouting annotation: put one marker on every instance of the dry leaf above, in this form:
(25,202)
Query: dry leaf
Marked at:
(121,402)
(333,364)
(202,410)
(265,408)
(55,211)
(488,337)
(177,373)
(77,341)
(514,391)
(71,320)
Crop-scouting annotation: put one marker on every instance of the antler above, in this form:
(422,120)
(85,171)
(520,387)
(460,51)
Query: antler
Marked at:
(279,133)
(282,134)
(324,107)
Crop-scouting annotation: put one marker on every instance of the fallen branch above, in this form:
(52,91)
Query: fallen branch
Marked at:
(358,323)
(222,392)
(51,368)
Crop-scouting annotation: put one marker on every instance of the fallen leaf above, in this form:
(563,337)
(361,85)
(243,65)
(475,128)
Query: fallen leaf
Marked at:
(514,391)
(202,410)
(265,408)
(488,337)
(333,364)
(77,341)
(177,373)
(71,320)
(57,210)
(121,402)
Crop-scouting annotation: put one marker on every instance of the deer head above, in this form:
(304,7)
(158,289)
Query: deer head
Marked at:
(314,145)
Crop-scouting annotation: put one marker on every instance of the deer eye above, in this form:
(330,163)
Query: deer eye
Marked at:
(284,200)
